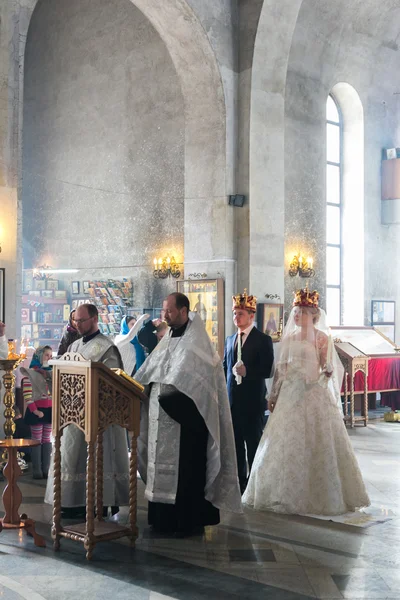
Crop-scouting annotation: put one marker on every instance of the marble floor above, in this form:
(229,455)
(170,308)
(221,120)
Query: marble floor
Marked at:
(254,555)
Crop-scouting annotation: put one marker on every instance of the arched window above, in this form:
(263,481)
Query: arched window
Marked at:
(345,206)
(333,212)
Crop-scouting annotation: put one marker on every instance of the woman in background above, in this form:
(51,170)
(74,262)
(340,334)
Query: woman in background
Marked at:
(151,333)
(132,353)
(70,335)
(36,392)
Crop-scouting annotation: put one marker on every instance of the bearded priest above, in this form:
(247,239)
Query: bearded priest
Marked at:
(186,448)
(97,347)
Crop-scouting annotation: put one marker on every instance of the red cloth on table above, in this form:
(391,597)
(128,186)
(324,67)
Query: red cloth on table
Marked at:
(383,374)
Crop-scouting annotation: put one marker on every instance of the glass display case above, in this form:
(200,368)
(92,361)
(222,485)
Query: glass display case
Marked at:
(369,340)
(206,297)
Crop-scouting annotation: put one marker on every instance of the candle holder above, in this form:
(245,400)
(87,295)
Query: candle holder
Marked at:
(8,365)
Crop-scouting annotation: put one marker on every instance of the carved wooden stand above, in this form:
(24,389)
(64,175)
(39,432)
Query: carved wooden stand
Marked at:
(92,397)
(353,360)
(12,496)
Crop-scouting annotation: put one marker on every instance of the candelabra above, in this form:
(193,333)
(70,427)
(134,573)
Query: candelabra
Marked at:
(301,266)
(9,365)
(166,267)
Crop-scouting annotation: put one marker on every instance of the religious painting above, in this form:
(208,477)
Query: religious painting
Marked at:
(86,286)
(382,311)
(39,284)
(206,297)
(2,294)
(52,284)
(75,287)
(270,320)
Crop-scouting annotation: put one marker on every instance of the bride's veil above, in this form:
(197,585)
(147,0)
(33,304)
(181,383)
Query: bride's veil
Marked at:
(314,329)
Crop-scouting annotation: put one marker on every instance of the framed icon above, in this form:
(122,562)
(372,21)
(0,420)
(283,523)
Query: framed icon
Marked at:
(270,320)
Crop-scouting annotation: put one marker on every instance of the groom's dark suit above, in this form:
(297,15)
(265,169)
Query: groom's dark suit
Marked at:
(247,400)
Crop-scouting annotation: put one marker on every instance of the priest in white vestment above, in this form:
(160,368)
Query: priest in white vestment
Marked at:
(186,448)
(97,347)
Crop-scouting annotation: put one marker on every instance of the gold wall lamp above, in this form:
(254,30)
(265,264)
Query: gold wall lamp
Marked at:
(301,266)
(166,267)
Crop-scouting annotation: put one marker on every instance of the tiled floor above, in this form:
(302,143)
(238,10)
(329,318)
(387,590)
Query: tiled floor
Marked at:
(254,555)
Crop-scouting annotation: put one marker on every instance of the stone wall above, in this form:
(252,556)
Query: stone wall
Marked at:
(103,140)
(340,42)
(238,89)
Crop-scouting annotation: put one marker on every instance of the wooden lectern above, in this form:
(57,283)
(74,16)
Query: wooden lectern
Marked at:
(92,397)
(353,360)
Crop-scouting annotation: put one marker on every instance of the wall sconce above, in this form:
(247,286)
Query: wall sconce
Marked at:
(166,267)
(301,266)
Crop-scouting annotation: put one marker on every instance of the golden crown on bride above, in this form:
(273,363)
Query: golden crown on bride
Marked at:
(304,297)
(244,301)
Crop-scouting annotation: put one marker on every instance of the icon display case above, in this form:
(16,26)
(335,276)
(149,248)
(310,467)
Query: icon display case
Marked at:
(206,297)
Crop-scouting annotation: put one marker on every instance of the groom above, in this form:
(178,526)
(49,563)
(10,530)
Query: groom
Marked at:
(246,381)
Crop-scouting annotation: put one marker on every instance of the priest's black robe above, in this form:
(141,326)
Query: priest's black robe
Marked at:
(191,510)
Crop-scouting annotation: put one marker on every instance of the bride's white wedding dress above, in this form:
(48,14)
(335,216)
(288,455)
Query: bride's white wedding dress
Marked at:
(305,463)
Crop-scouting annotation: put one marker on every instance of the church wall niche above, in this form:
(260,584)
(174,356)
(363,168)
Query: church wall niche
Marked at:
(103,142)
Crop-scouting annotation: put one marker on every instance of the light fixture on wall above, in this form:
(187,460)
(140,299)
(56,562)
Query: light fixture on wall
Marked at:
(166,267)
(301,266)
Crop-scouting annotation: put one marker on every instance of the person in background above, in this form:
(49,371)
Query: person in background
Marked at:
(22,430)
(3,341)
(151,333)
(131,351)
(95,346)
(70,335)
(36,392)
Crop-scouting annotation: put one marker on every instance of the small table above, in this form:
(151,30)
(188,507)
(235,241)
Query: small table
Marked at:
(12,496)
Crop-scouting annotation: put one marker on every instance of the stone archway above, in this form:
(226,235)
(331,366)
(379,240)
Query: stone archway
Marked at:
(208,247)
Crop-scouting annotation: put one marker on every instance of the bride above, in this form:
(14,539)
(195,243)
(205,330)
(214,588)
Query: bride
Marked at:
(305,463)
